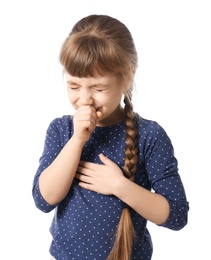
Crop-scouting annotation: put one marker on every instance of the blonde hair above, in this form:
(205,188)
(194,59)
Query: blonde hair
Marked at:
(102,43)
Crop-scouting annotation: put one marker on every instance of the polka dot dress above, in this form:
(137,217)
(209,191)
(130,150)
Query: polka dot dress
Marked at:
(85,222)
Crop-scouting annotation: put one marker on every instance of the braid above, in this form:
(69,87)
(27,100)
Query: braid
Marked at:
(125,235)
(131,149)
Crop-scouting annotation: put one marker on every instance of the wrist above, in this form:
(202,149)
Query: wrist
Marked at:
(80,142)
(120,186)
(79,139)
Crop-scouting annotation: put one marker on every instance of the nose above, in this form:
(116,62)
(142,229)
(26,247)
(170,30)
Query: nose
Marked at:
(86,99)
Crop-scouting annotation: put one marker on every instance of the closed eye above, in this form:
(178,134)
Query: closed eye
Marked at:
(98,90)
(73,87)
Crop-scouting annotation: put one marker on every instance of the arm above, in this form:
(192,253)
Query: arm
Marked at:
(167,204)
(54,181)
(149,205)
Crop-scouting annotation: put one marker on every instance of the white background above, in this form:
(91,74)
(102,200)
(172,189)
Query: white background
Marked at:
(173,39)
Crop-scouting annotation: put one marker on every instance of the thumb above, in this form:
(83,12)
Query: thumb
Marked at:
(105,160)
(99,114)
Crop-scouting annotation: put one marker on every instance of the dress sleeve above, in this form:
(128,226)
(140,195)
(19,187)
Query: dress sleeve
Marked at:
(162,169)
(52,146)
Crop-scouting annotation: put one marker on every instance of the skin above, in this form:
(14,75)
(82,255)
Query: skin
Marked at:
(91,98)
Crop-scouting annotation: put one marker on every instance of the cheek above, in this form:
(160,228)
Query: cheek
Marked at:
(111,102)
(114,99)
(72,98)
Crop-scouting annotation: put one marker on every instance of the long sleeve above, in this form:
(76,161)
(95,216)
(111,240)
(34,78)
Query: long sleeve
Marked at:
(162,170)
(57,135)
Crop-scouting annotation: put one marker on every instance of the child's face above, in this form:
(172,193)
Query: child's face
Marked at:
(104,93)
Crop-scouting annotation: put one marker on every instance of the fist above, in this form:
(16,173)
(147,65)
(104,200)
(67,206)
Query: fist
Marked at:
(85,120)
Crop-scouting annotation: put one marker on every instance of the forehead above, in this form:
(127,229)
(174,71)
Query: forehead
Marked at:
(97,79)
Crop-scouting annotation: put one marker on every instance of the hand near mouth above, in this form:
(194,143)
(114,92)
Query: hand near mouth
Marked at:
(85,121)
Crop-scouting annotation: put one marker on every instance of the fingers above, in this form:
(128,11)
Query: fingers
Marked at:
(87,116)
(105,160)
(84,175)
(99,114)
(85,120)
(100,178)
(88,167)
(83,178)
(84,170)
(93,166)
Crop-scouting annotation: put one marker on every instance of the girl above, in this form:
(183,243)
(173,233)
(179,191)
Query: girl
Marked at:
(106,170)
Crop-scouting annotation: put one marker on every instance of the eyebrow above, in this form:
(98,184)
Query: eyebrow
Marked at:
(94,85)
(72,82)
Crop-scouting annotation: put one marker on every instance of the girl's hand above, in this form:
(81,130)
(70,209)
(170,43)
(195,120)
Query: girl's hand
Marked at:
(101,178)
(85,120)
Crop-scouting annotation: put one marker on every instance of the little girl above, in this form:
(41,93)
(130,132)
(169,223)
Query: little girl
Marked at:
(106,170)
